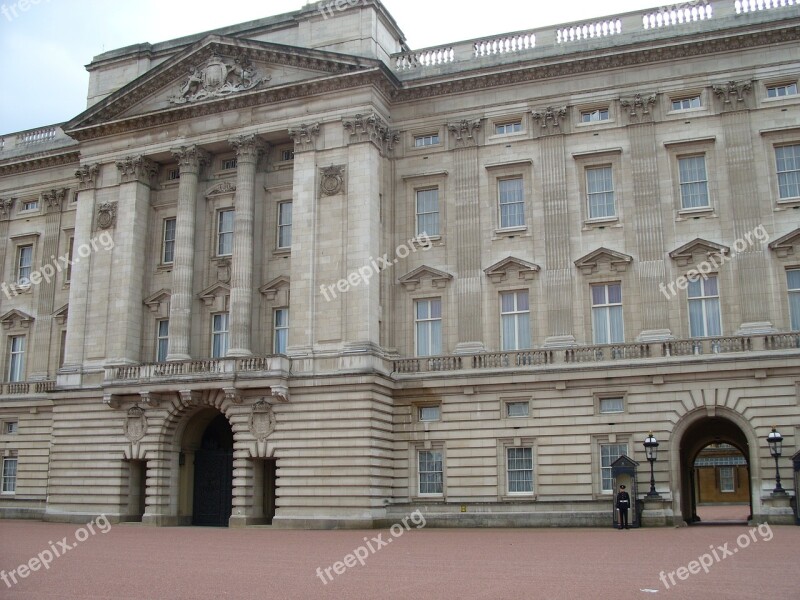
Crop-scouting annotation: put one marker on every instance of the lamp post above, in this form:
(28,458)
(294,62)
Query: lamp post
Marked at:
(651,450)
(775,441)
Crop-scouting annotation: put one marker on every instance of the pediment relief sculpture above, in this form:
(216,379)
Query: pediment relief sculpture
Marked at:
(218,78)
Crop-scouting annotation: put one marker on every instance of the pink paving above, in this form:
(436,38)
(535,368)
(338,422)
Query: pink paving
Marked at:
(133,562)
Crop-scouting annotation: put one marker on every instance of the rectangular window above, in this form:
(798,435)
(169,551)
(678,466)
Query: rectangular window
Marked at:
(779,91)
(430,473)
(9,475)
(520,470)
(517,409)
(607,321)
(694,181)
(727,483)
(229,163)
(16,358)
(793,283)
(686,103)
(162,340)
(428,212)
(788,161)
(512,202)
(287,155)
(592,116)
(515,321)
(428,326)
(219,335)
(24,264)
(173,174)
(281,331)
(62,350)
(168,241)
(506,128)
(429,413)
(600,191)
(70,251)
(421,141)
(10,427)
(285,225)
(225,233)
(611,405)
(608,454)
(30,205)
(704,315)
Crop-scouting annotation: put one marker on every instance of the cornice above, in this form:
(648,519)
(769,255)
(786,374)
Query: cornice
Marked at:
(40,162)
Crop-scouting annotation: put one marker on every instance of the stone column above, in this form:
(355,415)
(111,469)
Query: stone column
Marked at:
(191,160)
(249,148)
(87,176)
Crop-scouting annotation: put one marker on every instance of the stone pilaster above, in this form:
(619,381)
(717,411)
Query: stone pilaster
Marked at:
(249,148)
(190,160)
(6,205)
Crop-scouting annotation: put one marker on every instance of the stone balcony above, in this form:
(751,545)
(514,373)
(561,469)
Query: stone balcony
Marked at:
(200,370)
(26,388)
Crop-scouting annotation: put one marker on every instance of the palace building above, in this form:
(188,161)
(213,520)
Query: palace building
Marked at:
(293,272)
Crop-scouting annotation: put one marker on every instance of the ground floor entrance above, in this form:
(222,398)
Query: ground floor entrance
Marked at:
(213,475)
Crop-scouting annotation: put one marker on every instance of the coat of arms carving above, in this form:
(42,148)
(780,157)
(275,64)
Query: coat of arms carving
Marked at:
(262,420)
(135,424)
(218,78)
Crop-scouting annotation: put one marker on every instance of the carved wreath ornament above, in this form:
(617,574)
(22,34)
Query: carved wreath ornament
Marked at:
(332,182)
(107,215)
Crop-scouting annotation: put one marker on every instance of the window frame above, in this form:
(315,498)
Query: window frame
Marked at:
(515,124)
(778,172)
(703,299)
(18,266)
(722,478)
(15,369)
(785,85)
(430,321)
(516,314)
(220,232)
(690,97)
(421,408)
(600,444)
(11,424)
(435,137)
(500,181)
(220,332)
(606,308)
(160,337)
(794,318)
(282,226)
(6,478)
(437,212)
(594,168)
(508,490)
(165,241)
(682,183)
(277,330)
(590,111)
(507,409)
(433,451)
(600,397)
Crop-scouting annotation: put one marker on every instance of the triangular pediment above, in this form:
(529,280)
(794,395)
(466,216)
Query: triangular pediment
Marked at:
(603,258)
(415,278)
(500,270)
(212,292)
(212,73)
(698,246)
(154,301)
(271,289)
(62,314)
(786,245)
(16,318)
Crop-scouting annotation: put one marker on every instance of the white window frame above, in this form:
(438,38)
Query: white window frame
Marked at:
(222,233)
(682,100)
(29,205)
(162,340)
(521,319)
(168,244)
(596,115)
(428,322)
(687,184)
(510,403)
(222,334)
(429,413)
(604,193)
(280,330)
(24,269)
(70,252)
(519,202)
(731,477)
(794,299)
(427,140)
(704,299)
(9,485)
(284,226)
(418,214)
(10,427)
(788,173)
(781,90)
(435,455)
(16,358)
(509,470)
(508,127)
(604,310)
(602,399)
(607,469)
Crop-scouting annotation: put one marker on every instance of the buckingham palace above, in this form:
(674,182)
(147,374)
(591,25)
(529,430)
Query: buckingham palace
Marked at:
(293,272)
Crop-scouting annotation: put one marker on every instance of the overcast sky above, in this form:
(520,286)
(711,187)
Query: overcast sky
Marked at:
(44,48)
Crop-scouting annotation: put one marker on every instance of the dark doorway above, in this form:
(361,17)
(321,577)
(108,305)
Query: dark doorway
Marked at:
(213,475)
(137,490)
(270,489)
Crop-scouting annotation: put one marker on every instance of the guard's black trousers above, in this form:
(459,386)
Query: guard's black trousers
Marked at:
(623,517)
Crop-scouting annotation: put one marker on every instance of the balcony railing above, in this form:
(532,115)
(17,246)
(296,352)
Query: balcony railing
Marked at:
(705,347)
(19,388)
(211,368)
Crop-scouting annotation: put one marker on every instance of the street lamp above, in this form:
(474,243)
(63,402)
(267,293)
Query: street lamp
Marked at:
(775,441)
(651,450)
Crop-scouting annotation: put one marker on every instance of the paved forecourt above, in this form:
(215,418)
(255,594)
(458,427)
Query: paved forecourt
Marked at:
(137,562)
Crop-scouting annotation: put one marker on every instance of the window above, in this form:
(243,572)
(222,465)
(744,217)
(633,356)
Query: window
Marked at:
(611,405)
(9,475)
(287,155)
(16,358)
(515,321)
(219,335)
(517,409)
(607,321)
(793,283)
(173,174)
(70,251)
(506,128)
(686,103)
(285,225)
(778,91)
(428,321)
(430,472)
(788,161)
(428,212)
(694,181)
(168,242)
(421,141)
(162,340)
(62,349)
(24,264)
(229,163)
(225,233)
(704,316)
(608,454)
(592,116)
(30,205)
(600,191)
(10,427)
(429,413)
(520,470)
(281,331)
(727,482)
(512,202)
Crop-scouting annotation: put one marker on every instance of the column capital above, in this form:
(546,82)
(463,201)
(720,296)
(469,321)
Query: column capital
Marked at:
(54,199)
(304,137)
(191,159)
(550,119)
(639,107)
(464,131)
(248,147)
(371,128)
(6,204)
(137,168)
(87,176)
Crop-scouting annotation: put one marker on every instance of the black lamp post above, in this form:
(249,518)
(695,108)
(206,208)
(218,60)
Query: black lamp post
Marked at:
(775,441)
(651,450)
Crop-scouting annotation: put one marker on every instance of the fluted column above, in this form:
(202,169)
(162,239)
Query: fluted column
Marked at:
(249,149)
(190,160)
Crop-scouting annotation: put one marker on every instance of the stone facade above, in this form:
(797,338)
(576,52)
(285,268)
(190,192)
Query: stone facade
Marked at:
(450,279)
